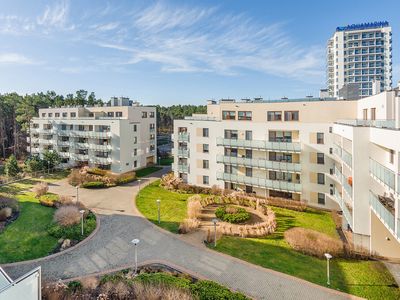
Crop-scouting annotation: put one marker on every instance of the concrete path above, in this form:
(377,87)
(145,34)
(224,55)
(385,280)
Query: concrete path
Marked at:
(110,248)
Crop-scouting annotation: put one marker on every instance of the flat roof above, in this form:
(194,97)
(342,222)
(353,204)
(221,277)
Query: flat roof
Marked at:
(362,26)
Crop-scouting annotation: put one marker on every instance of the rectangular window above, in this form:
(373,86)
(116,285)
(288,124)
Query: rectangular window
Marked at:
(50,115)
(228,169)
(228,115)
(73,115)
(292,115)
(135,164)
(134,152)
(249,172)
(373,113)
(135,139)
(321,198)
(151,114)
(205,132)
(206,164)
(330,129)
(231,152)
(249,153)
(134,128)
(249,189)
(365,114)
(320,158)
(64,114)
(320,138)
(206,180)
(321,178)
(249,135)
(110,114)
(118,114)
(231,134)
(205,148)
(274,116)
(244,115)
(144,114)
(43,115)
(391,158)
(57,115)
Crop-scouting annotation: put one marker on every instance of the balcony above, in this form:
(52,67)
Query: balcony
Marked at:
(345,156)
(382,174)
(91,134)
(369,123)
(101,160)
(183,153)
(380,206)
(347,213)
(80,157)
(183,168)
(260,163)
(183,137)
(63,143)
(97,147)
(261,182)
(46,142)
(81,145)
(64,154)
(260,145)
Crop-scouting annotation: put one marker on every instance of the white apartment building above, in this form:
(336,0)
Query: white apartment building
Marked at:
(360,55)
(299,149)
(120,137)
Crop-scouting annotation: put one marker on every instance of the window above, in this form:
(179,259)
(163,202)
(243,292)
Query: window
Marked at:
(280,136)
(73,115)
(152,126)
(205,132)
(134,128)
(228,169)
(50,115)
(43,115)
(320,138)
(391,158)
(292,115)
(228,115)
(135,164)
(321,178)
(321,198)
(373,113)
(330,129)
(64,114)
(206,180)
(320,158)
(151,114)
(205,148)
(249,153)
(110,114)
(135,139)
(144,114)
(249,135)
(330,150)
(206,164)
(249,172)
(57,115)
(365,114)
(231,134)
(274,116)
(118,114)
(135,152)
(249,189)
(231,152)
(244,115)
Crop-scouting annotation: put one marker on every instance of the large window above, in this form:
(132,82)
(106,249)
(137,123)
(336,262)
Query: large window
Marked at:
(228,115)
(320,158)
(274,116)
(205,132)
(206,180)
(249,172)
(280,136)
(231,134)
(232,152)
(292,115)
(320,138)
(321,178)
(244,115)
(321,198)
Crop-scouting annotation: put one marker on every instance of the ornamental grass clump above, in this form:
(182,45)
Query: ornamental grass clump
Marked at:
(40,189)
(67,215)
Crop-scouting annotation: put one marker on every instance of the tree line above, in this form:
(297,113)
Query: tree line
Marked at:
(17,111)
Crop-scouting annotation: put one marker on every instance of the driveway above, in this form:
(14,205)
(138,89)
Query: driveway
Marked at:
(111,248)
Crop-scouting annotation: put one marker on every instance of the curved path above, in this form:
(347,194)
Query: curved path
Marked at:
(110,248)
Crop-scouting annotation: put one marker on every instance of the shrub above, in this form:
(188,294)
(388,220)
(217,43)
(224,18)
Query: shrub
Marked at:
(164,279)
(40,189)
(232,214)
(209,290)
(75,178)
(93,185)
(9,202)
(65,200)
(126,178)
(97,171)
(194,207)
(73,232)
(11,167)
(67,215)
(5,213)
(49,200)
(312,242)
(146,291)
(34,164)
(74,286)
(188,225)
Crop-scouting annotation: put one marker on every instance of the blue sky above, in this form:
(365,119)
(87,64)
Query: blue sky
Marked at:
(171,52)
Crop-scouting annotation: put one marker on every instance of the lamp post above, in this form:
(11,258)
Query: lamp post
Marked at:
(158,210)
(215,221)
(135,242)
(328,258)
(139,180)
(82,211)
(77,193)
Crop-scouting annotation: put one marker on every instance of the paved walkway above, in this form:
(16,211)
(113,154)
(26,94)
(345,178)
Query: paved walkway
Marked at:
(110,248)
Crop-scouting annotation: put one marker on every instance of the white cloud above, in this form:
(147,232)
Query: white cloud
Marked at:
(56,16)
(105,27)
(15,59)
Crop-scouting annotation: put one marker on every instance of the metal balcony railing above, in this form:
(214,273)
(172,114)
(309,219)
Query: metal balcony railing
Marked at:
(261,182)
(259,163)
(260,144)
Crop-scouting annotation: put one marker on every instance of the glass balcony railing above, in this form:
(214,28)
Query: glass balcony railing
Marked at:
(100,147)
(100,160)
(183,168)
(347,187)
(261,145)
(346,212)
(80,157)
(343,154)
(261,182)
(183,137)
(369,123)
(91,134)
(47,142)
(81,145)
(63,143)
(383,174)
(260,163)
(382,212)
(183,153)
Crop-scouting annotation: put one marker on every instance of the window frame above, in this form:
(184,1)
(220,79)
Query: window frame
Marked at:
(292,115)
(272,116)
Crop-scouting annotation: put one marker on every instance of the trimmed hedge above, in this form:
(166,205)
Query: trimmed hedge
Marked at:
(163,279)
(97,171)
(240,215)
(210,290)
(126,179)
(93,185)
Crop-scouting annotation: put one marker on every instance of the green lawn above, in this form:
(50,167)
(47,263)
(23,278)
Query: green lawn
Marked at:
(147,171)
(369,279)
(166,161)
(172,207)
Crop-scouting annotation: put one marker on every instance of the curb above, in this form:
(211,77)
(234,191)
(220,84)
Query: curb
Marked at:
(36,260)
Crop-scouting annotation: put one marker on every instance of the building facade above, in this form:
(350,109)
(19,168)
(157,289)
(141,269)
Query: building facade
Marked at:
(360,55)
(120,137)
(298,149)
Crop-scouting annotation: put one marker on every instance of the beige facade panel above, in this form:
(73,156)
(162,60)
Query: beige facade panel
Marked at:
(313,137)
(313,157)
(383,242)
(313,177)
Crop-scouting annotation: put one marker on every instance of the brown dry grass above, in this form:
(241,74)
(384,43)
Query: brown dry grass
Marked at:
(40,189)
(194,207)
(314,243)
(67,215)
(188,225)
(160,292)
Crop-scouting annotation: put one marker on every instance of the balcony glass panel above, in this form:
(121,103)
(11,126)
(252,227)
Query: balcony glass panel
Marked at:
(259,144)
(259,163)
(385,175)
(381,211)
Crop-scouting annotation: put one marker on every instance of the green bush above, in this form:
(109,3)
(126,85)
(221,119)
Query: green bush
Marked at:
(210,290)
(114,278)
(97,171)
(93,185)
(73,232)
(163,279)
(74,286)
(232,214)
(11,167)
(126,179)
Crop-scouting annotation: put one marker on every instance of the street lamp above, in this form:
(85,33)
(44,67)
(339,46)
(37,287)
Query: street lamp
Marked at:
(82,211)
(215,221)
(158,208)
(328,257)
(77,193)
(135,242)
(139,180)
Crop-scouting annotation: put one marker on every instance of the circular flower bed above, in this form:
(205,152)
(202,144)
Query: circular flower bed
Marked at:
(232,214)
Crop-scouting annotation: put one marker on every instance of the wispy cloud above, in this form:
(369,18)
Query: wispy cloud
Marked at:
(105,27)
(15,59)
(56,16)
